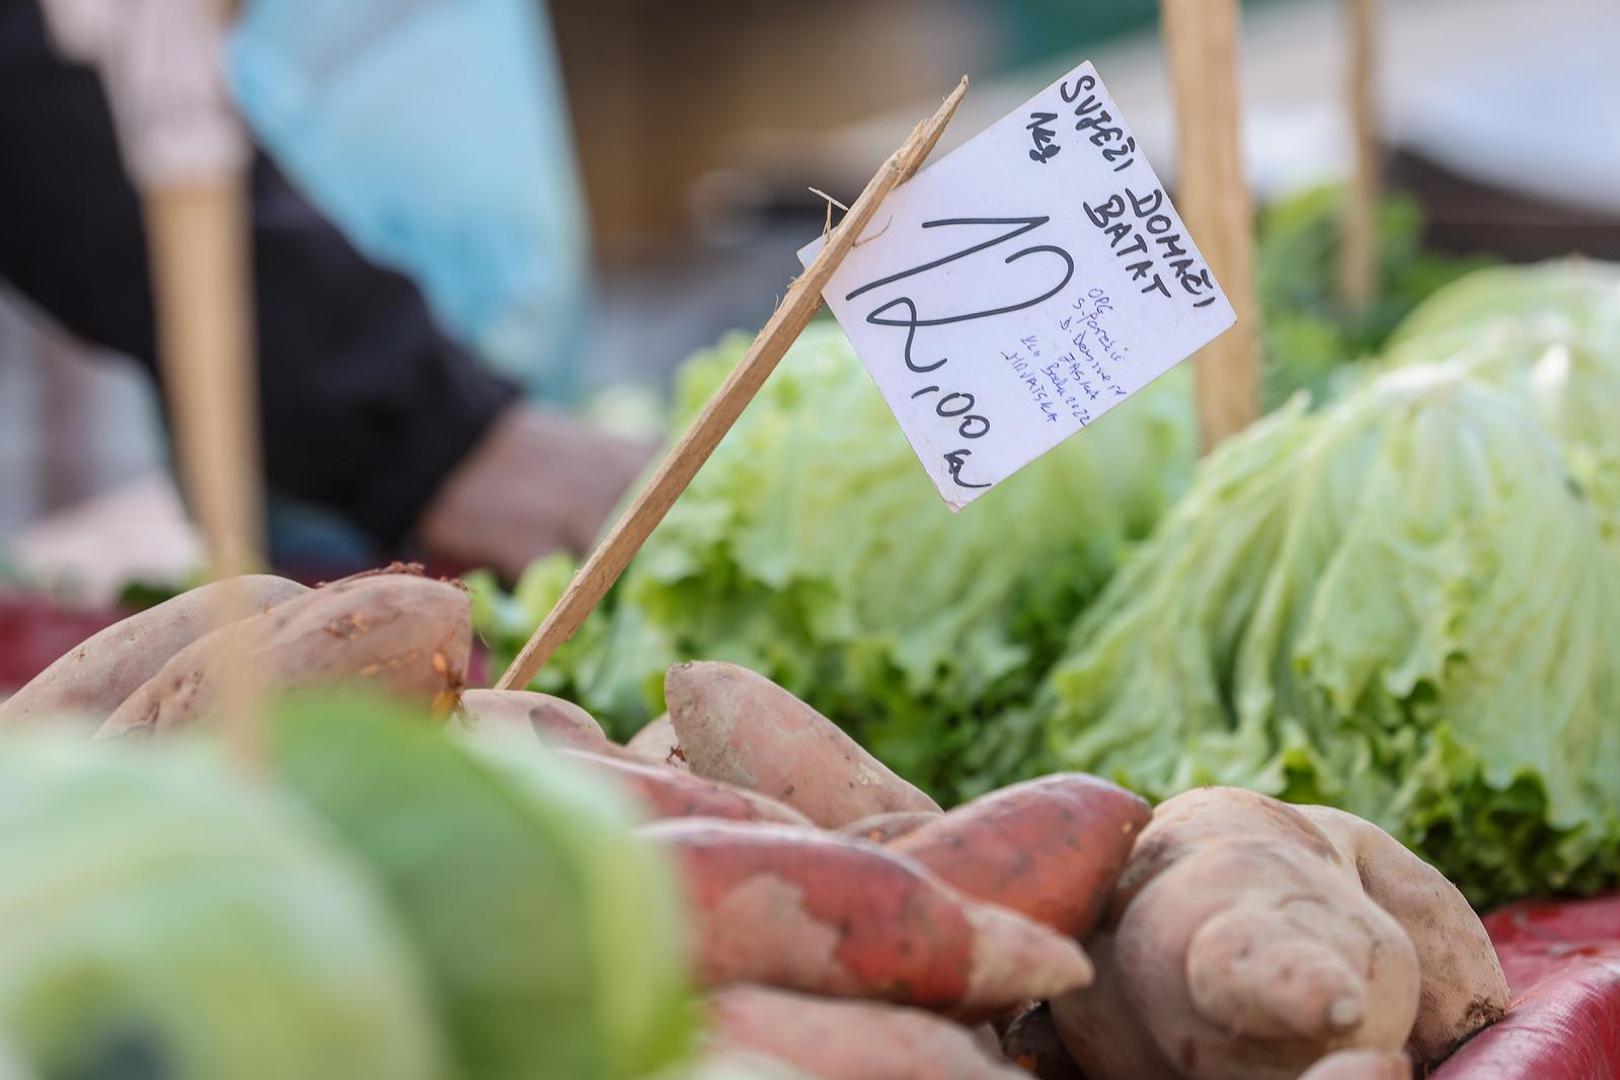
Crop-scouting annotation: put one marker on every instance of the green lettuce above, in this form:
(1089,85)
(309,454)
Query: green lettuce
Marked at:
(1549,333)
(1403,605)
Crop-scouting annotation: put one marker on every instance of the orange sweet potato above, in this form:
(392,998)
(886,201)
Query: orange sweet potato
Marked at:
(407,634)
(740,727)
(88,682)
(670,793)
(1049,849)
(850,1040)
(823,913)
(552,720)
(887,828)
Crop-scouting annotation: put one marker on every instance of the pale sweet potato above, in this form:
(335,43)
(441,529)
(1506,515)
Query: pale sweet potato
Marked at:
(736,726)
(849,1040)
(406,634)
(823,913)
(552,720)
(1361,1065)
(1048,848)
(88,682)
(1463,988)
(1242,944)
(670,793)
(658,743)
(887,828)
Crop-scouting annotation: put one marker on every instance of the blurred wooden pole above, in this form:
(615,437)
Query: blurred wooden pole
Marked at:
(200,264)
(1201,43)
(201,274)
(1359,254)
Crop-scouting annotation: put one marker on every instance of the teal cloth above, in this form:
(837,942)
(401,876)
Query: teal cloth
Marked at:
(434,133)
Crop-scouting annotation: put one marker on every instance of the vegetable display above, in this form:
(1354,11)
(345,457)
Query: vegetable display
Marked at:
(491,908)
(812,548)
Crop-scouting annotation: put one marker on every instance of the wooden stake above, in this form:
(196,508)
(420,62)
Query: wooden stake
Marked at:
(614,553)
(1201,42)
(198,235)
(1358,244)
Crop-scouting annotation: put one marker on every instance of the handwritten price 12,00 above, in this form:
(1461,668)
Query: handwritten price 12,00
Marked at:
(956,406)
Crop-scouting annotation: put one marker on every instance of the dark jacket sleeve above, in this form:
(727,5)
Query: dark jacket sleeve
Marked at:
(366,405)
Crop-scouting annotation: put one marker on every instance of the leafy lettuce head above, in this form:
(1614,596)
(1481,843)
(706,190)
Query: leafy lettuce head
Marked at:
(1402,605)
(1548,333)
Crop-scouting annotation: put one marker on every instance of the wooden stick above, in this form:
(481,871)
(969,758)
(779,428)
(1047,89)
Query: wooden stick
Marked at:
(198,236)
(1358,243)
(1201,42)
(803,298)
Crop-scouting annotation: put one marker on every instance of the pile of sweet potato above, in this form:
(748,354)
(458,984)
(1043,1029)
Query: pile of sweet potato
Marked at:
(845,925)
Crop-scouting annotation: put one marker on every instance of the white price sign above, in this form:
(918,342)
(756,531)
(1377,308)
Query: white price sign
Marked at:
(1019,288)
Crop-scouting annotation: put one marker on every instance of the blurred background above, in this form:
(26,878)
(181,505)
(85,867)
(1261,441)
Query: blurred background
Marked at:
(673,151)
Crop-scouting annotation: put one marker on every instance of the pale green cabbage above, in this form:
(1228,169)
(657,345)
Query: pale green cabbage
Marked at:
(162,917)
(1403,605)
(550,933)
(1550,334)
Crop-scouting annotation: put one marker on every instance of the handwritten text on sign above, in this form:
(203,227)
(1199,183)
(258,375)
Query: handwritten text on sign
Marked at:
(1022,286)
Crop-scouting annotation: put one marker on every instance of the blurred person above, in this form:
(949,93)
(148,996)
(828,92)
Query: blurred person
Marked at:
(369,410)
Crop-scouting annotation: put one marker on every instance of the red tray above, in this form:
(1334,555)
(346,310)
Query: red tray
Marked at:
(1563,964)
(35,630)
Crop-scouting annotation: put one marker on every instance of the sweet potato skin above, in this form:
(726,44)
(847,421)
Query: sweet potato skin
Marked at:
(887,828)
(821,913)
(658,743)
(406,634)
(1463,988)
(670,793)
(88,682)
(1361,1065)
(1242,945)
(736,726)
(1049,849)
(849,1040)
(552,720)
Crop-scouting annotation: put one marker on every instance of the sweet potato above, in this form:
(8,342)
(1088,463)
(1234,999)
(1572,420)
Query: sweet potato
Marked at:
(407,634)
(849,1040)
(658,743)
(1032,1043)
(887,828)
(1242,944)
(89,681)
(823,913)
(739,727)
(1049,848)
(552,720)
(670,793)
(1463,988)
(1361,1065)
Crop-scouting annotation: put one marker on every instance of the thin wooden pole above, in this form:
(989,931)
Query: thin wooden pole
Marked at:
(614,553)
(199,236)
(1201,43)
(1358,247)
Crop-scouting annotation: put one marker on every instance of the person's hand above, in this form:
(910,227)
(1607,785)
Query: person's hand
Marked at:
(538,482)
